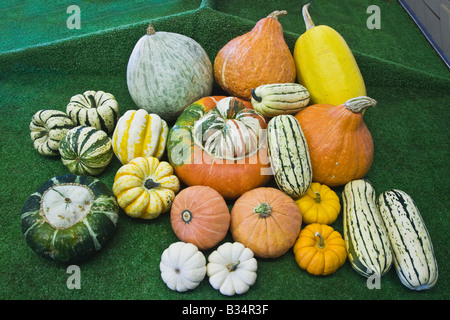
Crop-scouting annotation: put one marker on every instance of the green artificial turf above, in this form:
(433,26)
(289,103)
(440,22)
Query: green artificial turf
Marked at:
(43,64)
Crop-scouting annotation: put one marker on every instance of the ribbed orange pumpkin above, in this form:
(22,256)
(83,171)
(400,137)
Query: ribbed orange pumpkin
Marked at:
(258,57)
(199,215)
(340,144)
(267,221)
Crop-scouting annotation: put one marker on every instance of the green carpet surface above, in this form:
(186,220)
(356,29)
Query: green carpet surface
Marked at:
(43,64)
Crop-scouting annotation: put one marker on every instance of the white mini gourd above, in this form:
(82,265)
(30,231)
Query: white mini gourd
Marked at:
(232,268)
(182,266)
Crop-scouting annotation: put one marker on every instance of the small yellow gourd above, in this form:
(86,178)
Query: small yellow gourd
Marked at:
(145,187)
(319,204)
(326,65)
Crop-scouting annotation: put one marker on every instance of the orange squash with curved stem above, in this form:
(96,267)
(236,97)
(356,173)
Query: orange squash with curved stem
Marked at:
(340,144)
(258,57)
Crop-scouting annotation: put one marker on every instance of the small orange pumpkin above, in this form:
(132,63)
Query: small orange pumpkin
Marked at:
(320,249)
(339,142)
(319,204)
(200,215)
(258,57)
(266,220)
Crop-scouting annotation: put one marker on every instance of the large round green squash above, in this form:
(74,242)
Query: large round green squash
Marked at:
(69,218)
(167,72)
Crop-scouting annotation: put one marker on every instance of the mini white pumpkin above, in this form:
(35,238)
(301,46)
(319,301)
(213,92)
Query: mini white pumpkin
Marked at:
(232,268)
(182,266)
(167,72)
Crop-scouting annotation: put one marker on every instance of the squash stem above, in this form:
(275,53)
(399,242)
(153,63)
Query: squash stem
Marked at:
(321,243)
(277,13)
(307,18)
(150,29)
(263,210)
(232,266)
(359,104)
(317,199)
(150,184)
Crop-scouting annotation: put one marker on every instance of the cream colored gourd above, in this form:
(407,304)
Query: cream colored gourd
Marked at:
(182,266)
(139,134)
(232,268)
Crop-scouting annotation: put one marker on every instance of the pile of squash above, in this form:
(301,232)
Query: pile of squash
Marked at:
(294,118)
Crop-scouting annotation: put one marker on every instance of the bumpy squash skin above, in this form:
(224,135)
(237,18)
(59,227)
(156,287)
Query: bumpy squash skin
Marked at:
(196,167)
(258,57)
(326,66)
(77,243)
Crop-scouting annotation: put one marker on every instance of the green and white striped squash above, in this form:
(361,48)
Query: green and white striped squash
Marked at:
(366,238)
(47,128)
(69,218)
(280,98)
(86,150)
(94,109)
(414,258)
(167,72)
(289,155)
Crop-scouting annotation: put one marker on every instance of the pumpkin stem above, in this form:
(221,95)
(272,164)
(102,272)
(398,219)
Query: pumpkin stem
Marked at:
(150,29)
(359,104)
(317,199)
(263,210)
(321,243)
(277,13)
(307,18)
(232,266)
(259,99)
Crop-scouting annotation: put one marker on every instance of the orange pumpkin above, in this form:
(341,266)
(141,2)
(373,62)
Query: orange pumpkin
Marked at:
(267,221)
(340,144)
(258,57)
(320,249)
(199,215)
(232,163)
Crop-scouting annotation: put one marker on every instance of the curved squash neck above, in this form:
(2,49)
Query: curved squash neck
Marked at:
(307,18)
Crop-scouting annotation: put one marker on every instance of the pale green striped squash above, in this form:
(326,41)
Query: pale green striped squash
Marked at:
(414,258)
(86,150)
(366,238)
(47,128)
(96,109)
(279,98)
(69,218)
(167,72)
(289,155)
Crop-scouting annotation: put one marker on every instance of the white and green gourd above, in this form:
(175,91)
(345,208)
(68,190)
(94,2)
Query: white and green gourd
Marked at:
(414,258)
(47,128)
(167,72)
(96,109)
(69,218)
(280,98)
(366,238)
(86,150)
(289,155)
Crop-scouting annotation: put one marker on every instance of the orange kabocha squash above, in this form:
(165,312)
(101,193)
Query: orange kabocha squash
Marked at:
(320,249)
(199,215)
(340,144)
(261,56)
(267,221)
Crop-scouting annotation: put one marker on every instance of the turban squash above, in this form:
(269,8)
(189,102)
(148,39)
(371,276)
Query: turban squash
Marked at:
(218,142)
